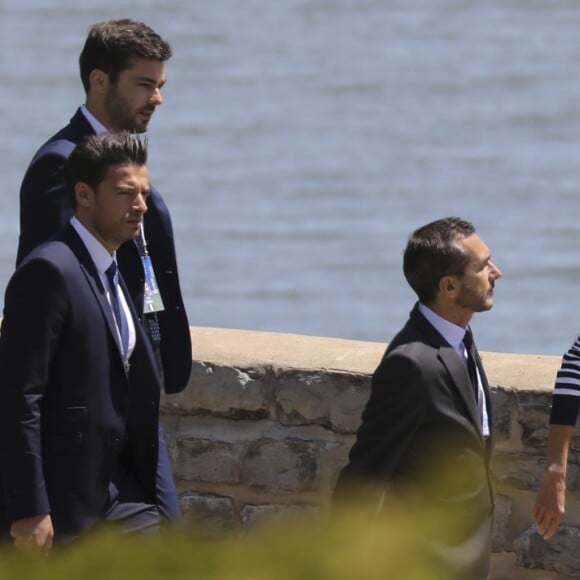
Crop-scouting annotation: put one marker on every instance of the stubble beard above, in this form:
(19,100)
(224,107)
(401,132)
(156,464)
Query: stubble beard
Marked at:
(120,116)
(474,302)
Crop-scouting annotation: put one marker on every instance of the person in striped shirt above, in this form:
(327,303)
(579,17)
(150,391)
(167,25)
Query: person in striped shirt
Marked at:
(550,504)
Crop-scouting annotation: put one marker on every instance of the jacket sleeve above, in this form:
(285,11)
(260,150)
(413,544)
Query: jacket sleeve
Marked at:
(35,311)
(392,415)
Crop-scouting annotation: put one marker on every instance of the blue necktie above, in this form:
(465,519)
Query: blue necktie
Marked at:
(122,324)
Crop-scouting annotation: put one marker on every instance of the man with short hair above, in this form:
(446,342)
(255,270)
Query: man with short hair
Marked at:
(425,435)
(122,68)
(79,391)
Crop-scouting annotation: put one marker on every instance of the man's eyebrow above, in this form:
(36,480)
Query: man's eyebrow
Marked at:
(151,81)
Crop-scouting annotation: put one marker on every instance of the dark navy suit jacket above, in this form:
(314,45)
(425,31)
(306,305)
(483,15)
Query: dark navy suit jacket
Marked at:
(45,208)
(67,407)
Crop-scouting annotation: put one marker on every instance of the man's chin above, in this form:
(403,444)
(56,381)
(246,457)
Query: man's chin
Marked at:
(137,126)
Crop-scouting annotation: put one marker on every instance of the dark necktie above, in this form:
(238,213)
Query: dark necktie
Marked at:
(471,365)
(122,324)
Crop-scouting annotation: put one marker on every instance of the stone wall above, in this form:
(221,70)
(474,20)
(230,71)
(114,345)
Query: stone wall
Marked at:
(267,421)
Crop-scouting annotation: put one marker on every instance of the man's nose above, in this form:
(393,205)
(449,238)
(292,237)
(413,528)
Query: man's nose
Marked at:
(140,203)
(157,97)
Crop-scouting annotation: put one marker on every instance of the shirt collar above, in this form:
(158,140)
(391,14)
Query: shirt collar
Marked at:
(97,126)
(452,333)
(99,254)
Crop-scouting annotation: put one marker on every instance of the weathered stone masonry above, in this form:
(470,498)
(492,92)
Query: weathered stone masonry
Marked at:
(267,421)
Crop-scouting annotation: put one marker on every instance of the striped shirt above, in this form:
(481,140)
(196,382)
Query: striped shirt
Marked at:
(566,397)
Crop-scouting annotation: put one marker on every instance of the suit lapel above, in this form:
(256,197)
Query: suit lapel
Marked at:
(460,377)
(455,367)
(71,238)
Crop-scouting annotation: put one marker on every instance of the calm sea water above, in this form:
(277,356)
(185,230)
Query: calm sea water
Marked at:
(301,141)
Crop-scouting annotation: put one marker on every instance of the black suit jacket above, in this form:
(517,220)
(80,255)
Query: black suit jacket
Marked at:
(421,435)
(68,411)
(45,208)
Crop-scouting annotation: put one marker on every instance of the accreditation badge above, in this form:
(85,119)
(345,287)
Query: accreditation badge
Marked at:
(153,301)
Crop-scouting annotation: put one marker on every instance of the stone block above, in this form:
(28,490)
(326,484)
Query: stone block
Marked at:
(575,444)
(502,402)
(208,515)
(222,391)
(282,466)
(334,457)
(253,515)
(501,540)
(206,460)
(335,400)
(518,470)
(559,554)
(534,416)
(524,471)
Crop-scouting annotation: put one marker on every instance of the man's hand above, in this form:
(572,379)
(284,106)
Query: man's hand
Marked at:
(33,533)
(550,504)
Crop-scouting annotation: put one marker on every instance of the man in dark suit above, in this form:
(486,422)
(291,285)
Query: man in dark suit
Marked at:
(122,68)
(79,390)
(425,432)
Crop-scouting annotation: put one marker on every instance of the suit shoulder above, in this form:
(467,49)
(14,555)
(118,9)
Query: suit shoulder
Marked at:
(46,167)
(405,359)
(55,253)
(61,144)
(416,350)
(411,342)
(409,353)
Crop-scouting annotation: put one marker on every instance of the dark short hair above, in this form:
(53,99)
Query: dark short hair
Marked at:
(433,252)
(95,154)
(111,45)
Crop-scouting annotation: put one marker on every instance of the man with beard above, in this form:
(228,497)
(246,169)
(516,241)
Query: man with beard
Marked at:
(122,68)
(79,393)
(425,432)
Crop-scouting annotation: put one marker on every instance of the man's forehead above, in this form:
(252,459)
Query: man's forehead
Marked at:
(144,66)
(475,245)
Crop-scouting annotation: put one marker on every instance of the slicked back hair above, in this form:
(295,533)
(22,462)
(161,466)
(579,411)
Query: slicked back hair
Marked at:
(110,46)
(95,154)
(433,252)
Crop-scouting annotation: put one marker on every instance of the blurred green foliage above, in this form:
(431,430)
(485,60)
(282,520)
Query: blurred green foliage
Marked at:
(350,546)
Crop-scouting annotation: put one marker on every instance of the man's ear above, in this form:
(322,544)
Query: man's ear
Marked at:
(99,81)
(448,286)
(83,194)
